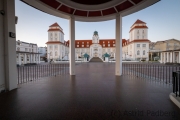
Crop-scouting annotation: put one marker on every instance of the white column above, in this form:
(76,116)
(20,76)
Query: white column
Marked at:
(30,58)
(72,46)
(39,59)
(118,68)
(161,57)
(19,58)
(34,58)
(25,58)
(8,65)
(170,57)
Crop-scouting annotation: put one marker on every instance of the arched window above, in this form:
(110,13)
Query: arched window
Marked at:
(138,52)
(144,52)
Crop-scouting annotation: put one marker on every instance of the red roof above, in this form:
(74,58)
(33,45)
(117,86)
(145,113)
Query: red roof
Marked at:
(55,25)
(138,27)
(102,42)
(139,22)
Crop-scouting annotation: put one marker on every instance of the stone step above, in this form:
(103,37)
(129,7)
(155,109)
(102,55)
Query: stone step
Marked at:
(96,59)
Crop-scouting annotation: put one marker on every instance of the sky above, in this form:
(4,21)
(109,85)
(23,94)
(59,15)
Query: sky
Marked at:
(162,18)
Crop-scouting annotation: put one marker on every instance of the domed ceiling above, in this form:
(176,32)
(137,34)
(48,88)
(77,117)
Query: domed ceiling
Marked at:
(87,10)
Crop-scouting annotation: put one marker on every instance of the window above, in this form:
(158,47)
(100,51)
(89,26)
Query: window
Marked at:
(87,42)
(103,45)
(82,42)
(113,44)
(26,49)
(77,45)
(103,41)
(82,45)
(138,31)
(144,45)
(87,45)
(108,45)
(143,37)
(144,52)
(55,47)
(143,31)
(55,53)
(55,38)
(108,41)
(50,53)
(138,52)
(77,42)
(29,50)
(138,45)
(137,37)
(55,34)
(50,47)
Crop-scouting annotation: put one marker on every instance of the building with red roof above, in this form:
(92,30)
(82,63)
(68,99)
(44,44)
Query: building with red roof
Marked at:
(136,47)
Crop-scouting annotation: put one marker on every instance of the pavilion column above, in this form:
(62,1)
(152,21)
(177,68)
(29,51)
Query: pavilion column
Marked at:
(8,57)
(72,46)
(118,68)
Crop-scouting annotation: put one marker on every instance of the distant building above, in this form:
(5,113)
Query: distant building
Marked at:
(43,53)
(135,48)
(165,50)
(26,53)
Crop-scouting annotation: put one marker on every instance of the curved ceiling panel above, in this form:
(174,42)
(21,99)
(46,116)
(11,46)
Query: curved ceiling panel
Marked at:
(90,9)
(91,2)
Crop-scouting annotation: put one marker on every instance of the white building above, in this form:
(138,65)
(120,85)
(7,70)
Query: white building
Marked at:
(136,48)
(57,48)
(26,53)
(43,53)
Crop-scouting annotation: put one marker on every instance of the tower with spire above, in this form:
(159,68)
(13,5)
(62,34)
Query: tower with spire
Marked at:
(95,38)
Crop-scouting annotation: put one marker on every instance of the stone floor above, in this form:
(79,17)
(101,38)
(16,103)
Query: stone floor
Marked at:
(95,93)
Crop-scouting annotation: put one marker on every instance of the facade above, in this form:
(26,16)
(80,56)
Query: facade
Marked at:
(135,48)
(57,48)
(43,53)
(26,53)
(166,50)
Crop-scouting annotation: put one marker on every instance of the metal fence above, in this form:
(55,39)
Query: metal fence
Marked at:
(176,82)
(35,72)
(158,72)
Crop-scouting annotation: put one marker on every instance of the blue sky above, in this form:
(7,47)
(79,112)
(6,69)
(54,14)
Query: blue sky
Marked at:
(162,18)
